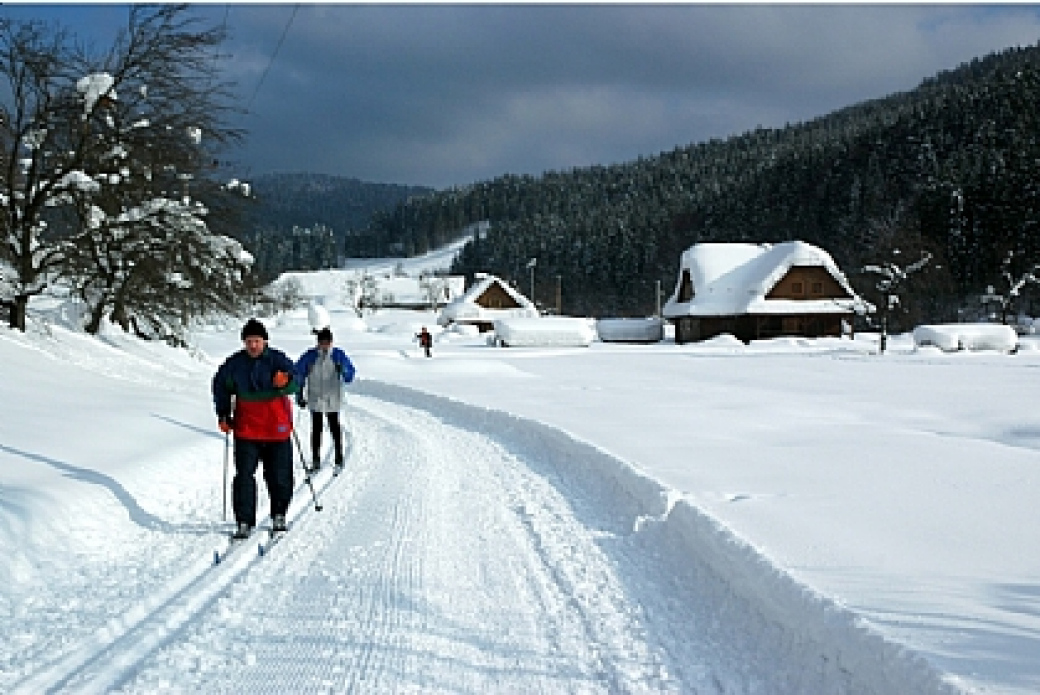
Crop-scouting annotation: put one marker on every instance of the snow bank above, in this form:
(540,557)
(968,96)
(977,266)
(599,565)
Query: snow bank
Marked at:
(545,332)
(649,330)
(807,641)
(967,336)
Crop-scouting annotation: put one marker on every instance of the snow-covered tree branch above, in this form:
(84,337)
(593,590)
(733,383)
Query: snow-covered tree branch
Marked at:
(105,163)
(890,281)
(1013,281)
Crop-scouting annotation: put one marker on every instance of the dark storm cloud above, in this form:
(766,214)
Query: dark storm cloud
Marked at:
(450,94)
(444,95)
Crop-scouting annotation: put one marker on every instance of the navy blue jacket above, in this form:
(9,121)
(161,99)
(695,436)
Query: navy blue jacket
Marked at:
(262,410)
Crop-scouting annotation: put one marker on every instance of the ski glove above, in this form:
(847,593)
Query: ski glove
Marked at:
(301,402)
(280,380)
(225,425)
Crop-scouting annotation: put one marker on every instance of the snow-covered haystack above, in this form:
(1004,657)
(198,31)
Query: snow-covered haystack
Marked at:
(318,317)
(648,330)
(552,331)
(967,336)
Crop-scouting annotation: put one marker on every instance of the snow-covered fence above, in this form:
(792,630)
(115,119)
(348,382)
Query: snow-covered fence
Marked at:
(548,331)
(649,330)
(967,336)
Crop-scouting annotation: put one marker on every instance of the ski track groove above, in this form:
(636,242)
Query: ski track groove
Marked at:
(442,563)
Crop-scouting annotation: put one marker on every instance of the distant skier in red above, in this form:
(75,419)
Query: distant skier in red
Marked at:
(425,340)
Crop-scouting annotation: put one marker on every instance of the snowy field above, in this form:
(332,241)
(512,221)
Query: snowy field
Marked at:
(793,516)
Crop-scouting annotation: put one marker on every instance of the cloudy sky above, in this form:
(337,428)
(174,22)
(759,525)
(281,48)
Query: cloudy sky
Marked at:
(443,95)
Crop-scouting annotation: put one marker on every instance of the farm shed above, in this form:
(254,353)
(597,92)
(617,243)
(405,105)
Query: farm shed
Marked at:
(756,291)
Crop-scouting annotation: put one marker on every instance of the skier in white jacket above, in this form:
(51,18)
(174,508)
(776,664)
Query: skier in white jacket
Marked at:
(323,370)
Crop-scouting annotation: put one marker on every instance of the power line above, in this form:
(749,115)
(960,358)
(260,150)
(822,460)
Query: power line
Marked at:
(274,55)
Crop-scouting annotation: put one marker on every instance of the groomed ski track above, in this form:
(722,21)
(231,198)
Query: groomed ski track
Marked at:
(468,551)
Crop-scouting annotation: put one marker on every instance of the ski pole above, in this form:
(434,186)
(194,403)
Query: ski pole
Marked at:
(223,490)
(306,474)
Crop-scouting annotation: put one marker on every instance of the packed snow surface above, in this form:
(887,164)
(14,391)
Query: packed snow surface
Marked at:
(790,516)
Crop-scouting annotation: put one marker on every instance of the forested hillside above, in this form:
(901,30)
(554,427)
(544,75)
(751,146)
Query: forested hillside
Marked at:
(310,221)
(951,167)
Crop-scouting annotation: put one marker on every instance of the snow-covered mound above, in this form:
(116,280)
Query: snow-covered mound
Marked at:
(318,317)
(967,336)
(649,330)
(545,332)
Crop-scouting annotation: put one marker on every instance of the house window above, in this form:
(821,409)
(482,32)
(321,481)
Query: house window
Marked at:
(817,288)
(796,288)
(686,287)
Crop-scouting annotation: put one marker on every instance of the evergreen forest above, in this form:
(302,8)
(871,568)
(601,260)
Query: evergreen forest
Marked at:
(306,221)
(950,169)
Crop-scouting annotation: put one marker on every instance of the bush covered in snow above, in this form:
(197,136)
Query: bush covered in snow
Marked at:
(967,336)
(545,332)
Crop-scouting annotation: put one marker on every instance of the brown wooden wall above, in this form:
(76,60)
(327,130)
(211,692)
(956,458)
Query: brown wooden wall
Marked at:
(748,327)
(494,297)
(807,282)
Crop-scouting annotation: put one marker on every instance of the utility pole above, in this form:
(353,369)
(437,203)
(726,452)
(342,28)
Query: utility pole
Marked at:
(530,266)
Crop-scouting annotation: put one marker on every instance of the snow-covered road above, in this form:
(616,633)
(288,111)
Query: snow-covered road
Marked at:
(465,550)
(447,559)
(443,562)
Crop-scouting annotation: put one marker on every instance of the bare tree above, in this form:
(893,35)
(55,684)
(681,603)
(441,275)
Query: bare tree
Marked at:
(1013,279)
(105,158)
(891,280)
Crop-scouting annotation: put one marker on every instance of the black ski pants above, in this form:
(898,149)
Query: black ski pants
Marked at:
(276,458)
(334,428)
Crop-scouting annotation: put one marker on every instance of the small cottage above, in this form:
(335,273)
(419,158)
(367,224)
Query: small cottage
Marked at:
(486,301)
(756,291)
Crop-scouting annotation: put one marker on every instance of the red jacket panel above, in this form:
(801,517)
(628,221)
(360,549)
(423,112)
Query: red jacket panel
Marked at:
(267,420)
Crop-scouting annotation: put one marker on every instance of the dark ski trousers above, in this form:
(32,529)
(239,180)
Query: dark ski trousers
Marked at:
(278,474)
(334,428)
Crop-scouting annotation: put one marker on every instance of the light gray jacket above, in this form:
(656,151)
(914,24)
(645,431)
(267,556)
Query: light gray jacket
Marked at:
(324,374)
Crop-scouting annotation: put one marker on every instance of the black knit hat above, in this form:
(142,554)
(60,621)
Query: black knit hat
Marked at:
(254,328)
(324,335)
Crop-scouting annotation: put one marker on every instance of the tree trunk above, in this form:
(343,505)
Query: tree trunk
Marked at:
(19,308)
(97,312)
(884,329)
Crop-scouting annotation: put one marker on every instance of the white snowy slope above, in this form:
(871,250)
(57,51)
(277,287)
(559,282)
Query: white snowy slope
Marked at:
(786,517)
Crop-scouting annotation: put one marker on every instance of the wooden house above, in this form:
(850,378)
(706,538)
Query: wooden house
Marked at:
(486,301)
(756,291)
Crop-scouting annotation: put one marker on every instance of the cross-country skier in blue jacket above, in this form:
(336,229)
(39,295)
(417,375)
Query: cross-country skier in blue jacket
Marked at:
(323,370)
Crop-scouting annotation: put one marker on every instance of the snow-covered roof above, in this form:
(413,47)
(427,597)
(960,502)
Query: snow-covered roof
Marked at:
(466,308)
(731,279)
